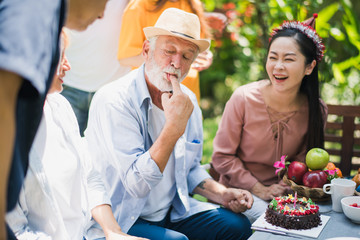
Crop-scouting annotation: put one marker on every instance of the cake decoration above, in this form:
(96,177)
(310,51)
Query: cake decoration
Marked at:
(293,213)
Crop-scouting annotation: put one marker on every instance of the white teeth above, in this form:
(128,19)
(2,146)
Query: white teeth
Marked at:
(280,78)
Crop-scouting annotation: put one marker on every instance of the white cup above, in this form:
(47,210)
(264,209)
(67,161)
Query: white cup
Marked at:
(339,188)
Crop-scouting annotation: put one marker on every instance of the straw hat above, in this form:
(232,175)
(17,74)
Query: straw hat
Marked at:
(178,23)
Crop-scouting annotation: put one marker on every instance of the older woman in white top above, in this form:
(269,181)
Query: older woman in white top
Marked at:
(62,191)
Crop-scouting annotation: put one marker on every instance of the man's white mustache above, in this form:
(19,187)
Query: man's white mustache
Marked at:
(172,70)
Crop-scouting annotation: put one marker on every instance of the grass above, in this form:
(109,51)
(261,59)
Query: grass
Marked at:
(210,126)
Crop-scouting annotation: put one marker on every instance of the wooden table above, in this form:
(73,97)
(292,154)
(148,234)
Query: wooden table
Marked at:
(338,226)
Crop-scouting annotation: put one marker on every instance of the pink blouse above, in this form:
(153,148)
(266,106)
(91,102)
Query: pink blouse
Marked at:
(252,136)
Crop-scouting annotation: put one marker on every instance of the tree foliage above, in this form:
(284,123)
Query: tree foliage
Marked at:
(240,52)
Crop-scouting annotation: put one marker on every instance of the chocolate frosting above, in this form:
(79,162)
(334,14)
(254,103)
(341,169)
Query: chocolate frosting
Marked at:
(292,222)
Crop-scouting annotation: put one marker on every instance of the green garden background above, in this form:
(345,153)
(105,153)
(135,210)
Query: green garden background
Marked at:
(240,51)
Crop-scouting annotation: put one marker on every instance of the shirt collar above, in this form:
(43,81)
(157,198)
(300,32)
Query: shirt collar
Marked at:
(142,93)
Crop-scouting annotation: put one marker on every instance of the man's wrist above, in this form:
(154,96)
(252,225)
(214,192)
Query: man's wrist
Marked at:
(172,131)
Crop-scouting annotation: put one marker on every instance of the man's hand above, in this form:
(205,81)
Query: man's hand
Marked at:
(177,108)
(237,200)
(268,193)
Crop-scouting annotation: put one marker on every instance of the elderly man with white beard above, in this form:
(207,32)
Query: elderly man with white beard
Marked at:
(145,132)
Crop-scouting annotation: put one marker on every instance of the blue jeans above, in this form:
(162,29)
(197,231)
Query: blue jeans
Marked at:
(80,102)
(219,223)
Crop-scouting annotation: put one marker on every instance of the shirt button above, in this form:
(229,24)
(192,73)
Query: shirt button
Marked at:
(132,217)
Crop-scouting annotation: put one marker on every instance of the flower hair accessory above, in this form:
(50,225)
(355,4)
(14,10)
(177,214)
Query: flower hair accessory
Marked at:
(308,28)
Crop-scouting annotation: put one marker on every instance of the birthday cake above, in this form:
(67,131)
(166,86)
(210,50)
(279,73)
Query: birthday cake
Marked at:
(293,213)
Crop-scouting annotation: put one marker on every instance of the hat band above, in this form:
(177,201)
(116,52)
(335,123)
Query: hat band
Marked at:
(185,35)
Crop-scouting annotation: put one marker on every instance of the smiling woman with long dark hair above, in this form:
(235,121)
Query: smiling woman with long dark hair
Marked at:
(282,115)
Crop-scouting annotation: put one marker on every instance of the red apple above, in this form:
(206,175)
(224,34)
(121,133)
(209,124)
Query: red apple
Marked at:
(296,171)
(315,179)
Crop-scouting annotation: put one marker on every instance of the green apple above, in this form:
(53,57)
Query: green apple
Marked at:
(317,159)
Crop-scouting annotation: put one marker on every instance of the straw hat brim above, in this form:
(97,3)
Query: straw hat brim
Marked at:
(203,44)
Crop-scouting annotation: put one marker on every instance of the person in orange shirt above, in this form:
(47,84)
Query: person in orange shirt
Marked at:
(143,13)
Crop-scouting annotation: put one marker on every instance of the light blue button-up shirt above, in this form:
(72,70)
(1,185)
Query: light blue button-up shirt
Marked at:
(118,136)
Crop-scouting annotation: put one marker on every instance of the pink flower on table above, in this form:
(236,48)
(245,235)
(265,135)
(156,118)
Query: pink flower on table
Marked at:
(280,165)
(331,174)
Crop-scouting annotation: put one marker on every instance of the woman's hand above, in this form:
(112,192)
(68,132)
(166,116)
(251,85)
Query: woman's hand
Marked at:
(105,217)
(268,193)
(203,61)
(288,189)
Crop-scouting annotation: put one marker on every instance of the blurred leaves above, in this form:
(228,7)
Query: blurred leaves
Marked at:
(240,53)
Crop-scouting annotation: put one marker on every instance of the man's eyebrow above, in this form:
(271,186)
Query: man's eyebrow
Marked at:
(192,50)
(192,47)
